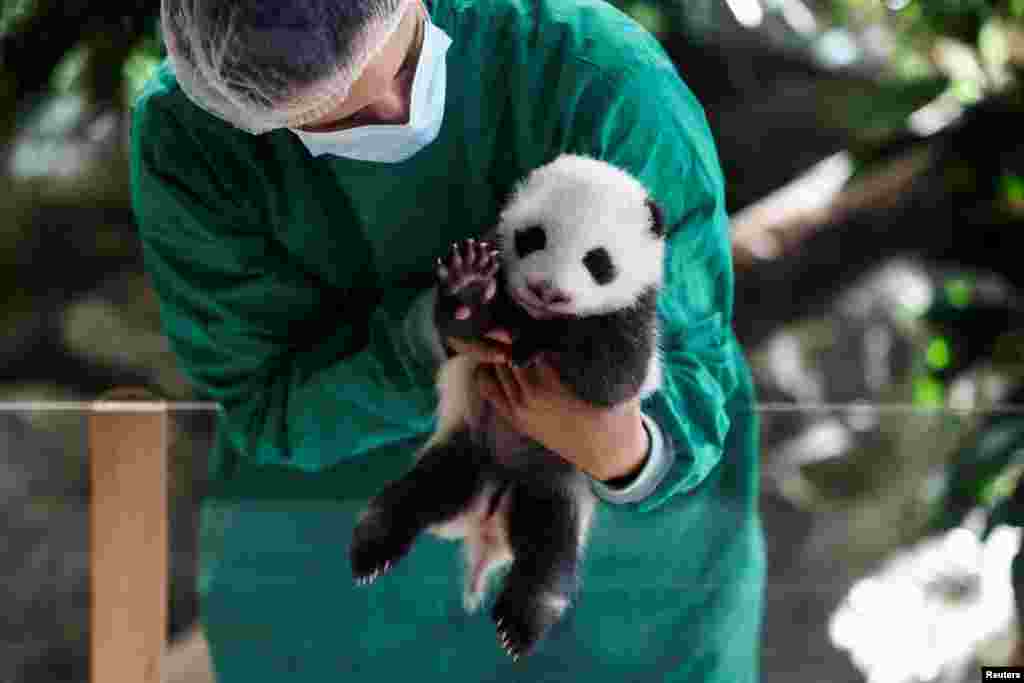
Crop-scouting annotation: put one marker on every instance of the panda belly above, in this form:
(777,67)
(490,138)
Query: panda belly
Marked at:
(493,432)
(483,525)
(461,407)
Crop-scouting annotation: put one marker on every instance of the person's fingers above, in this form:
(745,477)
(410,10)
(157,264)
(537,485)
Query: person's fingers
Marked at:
(490,390)
(524,382)
(546,371)
(510,386)
(488,353)
(500,334)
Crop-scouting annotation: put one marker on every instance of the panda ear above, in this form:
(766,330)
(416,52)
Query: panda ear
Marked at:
(657,218)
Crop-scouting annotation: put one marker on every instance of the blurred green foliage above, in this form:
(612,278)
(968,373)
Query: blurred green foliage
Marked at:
(966,49)
(141,62)
(13,13)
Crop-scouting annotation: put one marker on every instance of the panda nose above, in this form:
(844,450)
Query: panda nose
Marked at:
(548,294)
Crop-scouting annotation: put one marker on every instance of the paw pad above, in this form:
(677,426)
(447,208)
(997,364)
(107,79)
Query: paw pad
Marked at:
(468,272)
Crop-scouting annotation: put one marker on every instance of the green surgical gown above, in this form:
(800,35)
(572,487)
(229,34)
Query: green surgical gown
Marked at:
(285,282)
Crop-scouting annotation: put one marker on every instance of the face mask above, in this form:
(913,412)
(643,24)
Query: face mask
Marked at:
(390,143)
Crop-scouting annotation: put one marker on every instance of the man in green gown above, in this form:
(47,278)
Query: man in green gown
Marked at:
(297,168)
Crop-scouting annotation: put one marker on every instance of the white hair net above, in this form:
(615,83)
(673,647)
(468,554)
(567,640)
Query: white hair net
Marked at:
(267,64)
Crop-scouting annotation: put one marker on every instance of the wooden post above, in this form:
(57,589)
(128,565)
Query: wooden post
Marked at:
(128,544)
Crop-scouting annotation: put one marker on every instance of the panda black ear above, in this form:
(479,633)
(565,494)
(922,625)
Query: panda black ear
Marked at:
(657,218)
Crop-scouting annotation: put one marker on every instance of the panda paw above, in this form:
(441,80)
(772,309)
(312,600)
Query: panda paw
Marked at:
(467,273)
(376,547)
(522,620)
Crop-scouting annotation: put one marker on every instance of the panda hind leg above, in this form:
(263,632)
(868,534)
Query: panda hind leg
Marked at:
(446,479)
(544,534)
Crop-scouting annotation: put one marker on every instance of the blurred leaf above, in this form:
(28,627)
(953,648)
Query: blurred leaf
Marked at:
(1001,486)
(1012,188)
(958,292)
(69,71)
(993,44)
(938,353)
(14,11)
(983,472)
(928,392)
(884,108)
(139,66)
(649,16)
(910,65)
(967,90)
(959,19)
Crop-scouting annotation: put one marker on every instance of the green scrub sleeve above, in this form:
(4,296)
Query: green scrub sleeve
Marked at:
(304,378)
(647,122)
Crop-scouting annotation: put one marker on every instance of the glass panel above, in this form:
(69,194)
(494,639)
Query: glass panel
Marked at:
(888,467)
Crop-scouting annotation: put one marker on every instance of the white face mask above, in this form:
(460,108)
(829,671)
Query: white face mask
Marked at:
(390,143)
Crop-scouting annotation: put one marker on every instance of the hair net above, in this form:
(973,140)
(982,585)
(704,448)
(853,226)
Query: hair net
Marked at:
(266,64)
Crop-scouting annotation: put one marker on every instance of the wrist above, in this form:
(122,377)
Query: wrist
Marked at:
(630,452)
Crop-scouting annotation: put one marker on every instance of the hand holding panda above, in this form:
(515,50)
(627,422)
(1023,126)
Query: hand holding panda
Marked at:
(581,258)
(605,442)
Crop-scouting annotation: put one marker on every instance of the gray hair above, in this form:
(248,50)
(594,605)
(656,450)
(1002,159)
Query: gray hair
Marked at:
(264,64)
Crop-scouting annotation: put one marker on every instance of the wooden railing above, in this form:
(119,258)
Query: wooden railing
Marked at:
(128,433)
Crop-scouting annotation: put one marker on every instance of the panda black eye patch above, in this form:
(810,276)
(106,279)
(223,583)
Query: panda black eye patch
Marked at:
(530,240)
(599,263)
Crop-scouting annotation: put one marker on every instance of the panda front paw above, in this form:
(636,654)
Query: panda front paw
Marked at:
(467,282)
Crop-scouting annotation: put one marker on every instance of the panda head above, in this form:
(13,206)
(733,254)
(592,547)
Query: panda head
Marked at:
(580,237)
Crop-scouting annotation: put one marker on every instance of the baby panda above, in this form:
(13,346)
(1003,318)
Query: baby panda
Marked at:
(577,272)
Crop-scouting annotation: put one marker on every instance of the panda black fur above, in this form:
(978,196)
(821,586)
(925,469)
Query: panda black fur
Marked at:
(581,259)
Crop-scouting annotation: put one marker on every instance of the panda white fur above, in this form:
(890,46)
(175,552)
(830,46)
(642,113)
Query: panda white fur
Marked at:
(578,269)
